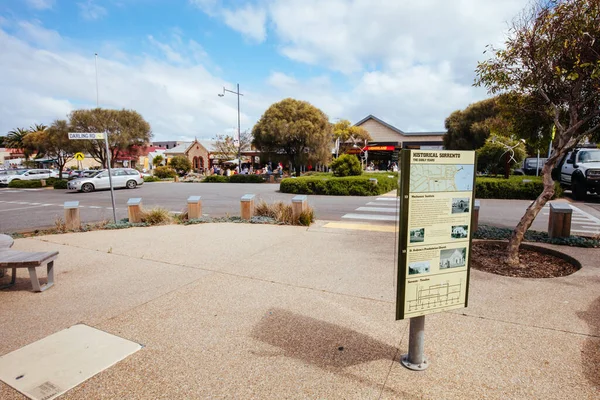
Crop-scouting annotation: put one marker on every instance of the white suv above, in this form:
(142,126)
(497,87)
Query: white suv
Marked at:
(25,175)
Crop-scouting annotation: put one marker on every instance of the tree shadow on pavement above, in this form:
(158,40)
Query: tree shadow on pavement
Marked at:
(328,346)
(317,342)
(590,354)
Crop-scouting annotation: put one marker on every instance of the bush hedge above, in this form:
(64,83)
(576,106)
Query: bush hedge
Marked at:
(241,178)
(21,184)
(512,188)
(59,183)
(334,186)
(216,179)
(151,179)
(164,172)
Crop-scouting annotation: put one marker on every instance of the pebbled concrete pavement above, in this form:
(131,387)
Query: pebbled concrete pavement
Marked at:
(260,311)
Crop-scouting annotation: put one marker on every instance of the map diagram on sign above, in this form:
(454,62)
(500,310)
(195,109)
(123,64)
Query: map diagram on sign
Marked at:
(441,178)
(435,296)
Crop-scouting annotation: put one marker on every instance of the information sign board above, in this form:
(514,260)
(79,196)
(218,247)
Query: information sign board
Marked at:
(436,200)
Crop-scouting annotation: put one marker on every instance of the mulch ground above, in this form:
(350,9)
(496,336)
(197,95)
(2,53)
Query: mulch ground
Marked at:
(489,257)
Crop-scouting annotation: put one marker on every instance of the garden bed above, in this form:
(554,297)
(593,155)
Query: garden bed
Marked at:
(535,261)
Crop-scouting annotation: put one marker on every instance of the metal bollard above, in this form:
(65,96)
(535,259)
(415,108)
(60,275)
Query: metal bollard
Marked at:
(559,221)
(72,220)
(194,207)
(415,359)
(475,217)
(247,206)
(134,210)
(299,205)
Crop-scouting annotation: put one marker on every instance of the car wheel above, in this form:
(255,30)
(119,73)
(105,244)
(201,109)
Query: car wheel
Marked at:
(87,187)
(579,190)
(131,184)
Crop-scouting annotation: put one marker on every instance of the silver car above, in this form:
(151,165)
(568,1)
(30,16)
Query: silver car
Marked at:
(121,177)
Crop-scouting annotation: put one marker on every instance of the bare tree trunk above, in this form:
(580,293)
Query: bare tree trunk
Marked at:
(512,256)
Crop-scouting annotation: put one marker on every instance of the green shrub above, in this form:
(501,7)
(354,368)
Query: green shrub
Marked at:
(151,178)
(156,216)
(496,233)
(181,164)
(21,184)
(60,183)
(512,188)
(346,165)
(241,178)
(164,172)
(334,186)
(216,178)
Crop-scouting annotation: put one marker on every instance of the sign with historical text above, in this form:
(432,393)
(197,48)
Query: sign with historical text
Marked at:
(436,199)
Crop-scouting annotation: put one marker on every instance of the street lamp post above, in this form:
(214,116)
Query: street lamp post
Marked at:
(239,133)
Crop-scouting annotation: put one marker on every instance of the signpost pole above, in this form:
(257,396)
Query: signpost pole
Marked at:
(112,192)
(415,359)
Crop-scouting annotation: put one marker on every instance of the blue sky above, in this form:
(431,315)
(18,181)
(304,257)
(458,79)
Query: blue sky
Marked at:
(409,63)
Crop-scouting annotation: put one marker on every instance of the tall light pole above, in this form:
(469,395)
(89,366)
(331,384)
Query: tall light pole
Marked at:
(239,133)
(112,192)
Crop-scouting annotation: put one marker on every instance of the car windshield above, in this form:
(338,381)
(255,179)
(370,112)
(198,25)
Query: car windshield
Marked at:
(589,156)
(20,172)
(91,174)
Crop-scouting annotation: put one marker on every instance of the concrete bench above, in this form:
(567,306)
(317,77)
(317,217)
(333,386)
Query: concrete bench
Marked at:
(14,259)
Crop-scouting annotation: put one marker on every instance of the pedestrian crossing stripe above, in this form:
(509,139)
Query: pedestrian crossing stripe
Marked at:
(360,227)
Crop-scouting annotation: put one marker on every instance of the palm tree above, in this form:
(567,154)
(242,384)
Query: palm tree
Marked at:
(15,140)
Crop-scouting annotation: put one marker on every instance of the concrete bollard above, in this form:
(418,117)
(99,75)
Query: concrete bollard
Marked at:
(247,206)
(271,178)
(475,217)
(134,210)
(194,207)
(299,205)
(72,220)
(559,221)
(43,182)
(373,181)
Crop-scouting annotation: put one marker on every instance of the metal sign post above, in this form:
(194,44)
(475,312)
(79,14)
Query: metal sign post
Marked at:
(435,230)
(99,136)
(112,191)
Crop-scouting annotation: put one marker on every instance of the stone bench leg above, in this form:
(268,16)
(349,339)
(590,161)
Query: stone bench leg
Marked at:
(35,282)
(12,280)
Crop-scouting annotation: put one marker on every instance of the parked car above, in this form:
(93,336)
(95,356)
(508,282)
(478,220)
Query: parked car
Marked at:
(121,177)
(530,166)
(579,171)
(24,175)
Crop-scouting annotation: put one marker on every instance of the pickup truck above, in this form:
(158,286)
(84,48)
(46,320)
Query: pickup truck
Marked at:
(579,170)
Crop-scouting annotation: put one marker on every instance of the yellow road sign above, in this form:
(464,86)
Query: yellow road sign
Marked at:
(79,156)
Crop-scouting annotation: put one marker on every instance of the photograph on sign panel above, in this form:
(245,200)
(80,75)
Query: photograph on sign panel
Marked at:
(460,231)
(453,258)
(417,235)
(460,205)
(419,267)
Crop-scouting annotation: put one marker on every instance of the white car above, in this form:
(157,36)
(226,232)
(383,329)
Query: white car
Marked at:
(121,178)
(25,175)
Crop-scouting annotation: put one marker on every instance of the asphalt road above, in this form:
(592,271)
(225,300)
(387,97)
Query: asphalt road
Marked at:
(29,209)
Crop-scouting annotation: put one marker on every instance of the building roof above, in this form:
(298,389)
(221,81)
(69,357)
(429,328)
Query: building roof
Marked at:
(180,148)
(392,127)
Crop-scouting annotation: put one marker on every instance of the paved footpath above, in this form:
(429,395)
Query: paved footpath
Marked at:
(238,311)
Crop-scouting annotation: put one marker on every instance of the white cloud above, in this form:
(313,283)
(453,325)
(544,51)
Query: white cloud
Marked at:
(168,51)
(40,4)
(249,21)
(39,85)
(91,11)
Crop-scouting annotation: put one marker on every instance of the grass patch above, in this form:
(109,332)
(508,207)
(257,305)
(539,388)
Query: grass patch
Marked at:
(495,233)
(156,216)
(152,179)
(327,184)
(515,187)
(283,213)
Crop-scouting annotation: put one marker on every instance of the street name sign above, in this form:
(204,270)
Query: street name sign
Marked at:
(86,135)
(436,203)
